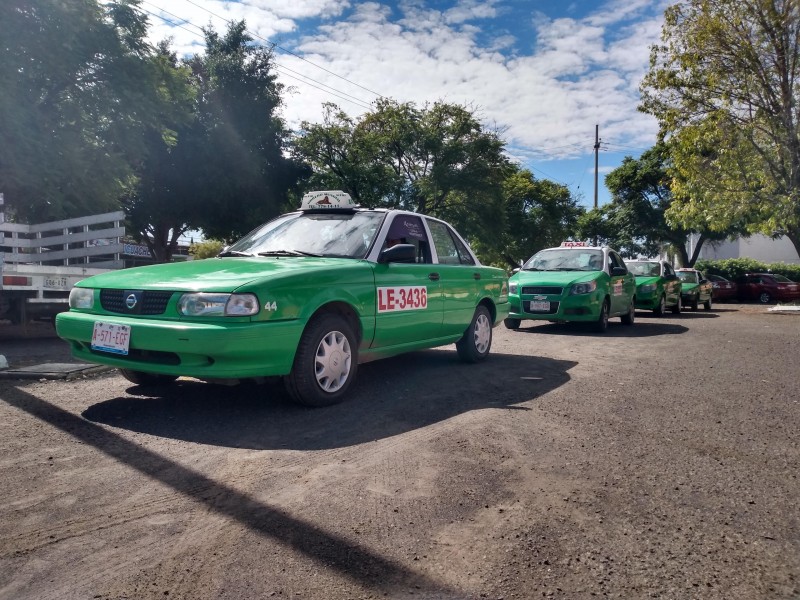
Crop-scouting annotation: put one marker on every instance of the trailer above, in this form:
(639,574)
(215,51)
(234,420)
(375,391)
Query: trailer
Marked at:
(40,263)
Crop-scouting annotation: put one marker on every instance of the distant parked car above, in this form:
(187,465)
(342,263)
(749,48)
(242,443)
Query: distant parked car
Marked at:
(657,286)
(695,288)
(767,288)
(724,289)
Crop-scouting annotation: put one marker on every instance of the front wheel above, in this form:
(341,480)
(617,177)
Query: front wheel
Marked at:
(694,304)
(146,379)
(512,323)
(765,298)
(601,324)
(325,364)
(476,342)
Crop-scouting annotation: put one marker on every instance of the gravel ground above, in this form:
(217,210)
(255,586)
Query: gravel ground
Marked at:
(654,461)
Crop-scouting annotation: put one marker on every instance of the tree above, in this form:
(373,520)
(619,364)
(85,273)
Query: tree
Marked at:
(74,99)
(437,160)
(723,84)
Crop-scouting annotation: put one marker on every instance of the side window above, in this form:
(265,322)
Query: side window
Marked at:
(449,248)
(667,270)
(408,229)
(615,261)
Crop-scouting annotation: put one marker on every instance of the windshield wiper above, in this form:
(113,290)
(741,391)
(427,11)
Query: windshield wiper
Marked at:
(287,253)
(234,253)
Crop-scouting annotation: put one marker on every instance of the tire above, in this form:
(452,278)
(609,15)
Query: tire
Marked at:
(707,304)
(765,297)
(629,317)
(661,308)
(147,379)
(676,310)
(325,364)
(512,323)
(601,324)
(476,342)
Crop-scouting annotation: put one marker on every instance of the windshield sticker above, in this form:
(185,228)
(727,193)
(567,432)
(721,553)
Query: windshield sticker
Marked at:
(392,299)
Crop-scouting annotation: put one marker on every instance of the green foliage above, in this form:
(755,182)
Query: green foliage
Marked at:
(731,268)
(723,85)
(206,249)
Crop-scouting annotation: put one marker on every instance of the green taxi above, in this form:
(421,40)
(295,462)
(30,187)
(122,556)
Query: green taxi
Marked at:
(307,296)
(695,288)
(573,282)
(657,286)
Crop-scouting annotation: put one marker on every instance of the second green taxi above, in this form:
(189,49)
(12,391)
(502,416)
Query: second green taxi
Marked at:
(695,289)
(657,286)
(573,282)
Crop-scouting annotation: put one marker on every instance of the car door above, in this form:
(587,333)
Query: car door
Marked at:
(460,277)
(621,287)
(408,294)
(672,285)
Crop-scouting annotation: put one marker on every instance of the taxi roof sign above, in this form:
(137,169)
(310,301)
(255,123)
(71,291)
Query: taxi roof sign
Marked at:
(574,244)
(327,200)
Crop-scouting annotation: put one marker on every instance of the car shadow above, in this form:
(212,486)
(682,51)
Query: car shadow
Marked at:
(391,397)
(666,325)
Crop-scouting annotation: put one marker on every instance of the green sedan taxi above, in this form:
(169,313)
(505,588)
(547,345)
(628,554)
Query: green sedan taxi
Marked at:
(657,286)
(307,297)
(695,288)
(573,282)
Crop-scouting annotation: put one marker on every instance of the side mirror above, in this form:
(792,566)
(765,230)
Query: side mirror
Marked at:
(617,271)
(400,253)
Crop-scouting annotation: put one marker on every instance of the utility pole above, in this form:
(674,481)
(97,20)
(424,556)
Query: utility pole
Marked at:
(596,152)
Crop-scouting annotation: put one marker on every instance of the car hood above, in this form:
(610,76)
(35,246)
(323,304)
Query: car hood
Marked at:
(213,274)
(645,279)
(559,278)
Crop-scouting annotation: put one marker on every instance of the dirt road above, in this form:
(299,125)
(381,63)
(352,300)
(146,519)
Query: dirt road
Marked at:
(658,461)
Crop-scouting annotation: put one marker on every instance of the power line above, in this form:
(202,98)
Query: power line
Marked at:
(333,91)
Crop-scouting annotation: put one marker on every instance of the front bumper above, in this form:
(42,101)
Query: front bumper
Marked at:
(237,350)
(577,307)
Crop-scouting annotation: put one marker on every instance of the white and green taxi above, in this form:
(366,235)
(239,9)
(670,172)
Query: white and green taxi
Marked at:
(573,282)
(307,297)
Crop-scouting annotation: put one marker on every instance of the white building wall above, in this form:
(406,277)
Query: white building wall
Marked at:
(758,247)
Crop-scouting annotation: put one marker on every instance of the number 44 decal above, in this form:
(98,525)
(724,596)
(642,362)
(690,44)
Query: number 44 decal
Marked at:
(271,306)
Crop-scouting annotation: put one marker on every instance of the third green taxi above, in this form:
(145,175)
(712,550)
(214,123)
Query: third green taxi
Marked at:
(572,282)
(695,288)
(657,286)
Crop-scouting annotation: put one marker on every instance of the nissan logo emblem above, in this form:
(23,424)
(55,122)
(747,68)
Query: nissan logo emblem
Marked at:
(130,301)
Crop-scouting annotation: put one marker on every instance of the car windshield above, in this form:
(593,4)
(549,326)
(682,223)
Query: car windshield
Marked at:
(644,268)
(688,276)
(565,259)
(340,234)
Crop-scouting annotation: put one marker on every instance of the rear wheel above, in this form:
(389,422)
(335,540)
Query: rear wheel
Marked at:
(601,324)
(512,323)
(476,342)
(147,379)
(325,364)
(629,317)
(662,306)
(765,298)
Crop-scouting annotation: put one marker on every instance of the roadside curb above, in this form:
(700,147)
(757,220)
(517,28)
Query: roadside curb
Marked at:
(64,371)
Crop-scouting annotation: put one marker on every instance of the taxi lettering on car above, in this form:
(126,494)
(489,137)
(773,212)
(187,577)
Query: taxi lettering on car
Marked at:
(657,286)
(573,282)
(307,296)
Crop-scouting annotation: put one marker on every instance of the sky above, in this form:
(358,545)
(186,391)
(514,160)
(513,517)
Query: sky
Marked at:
(545,74)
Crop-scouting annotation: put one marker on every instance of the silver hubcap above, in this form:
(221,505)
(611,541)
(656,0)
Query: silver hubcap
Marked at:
(483,333)
(332,363)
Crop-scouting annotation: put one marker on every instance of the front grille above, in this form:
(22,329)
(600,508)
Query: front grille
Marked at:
(542,289)
(152,302)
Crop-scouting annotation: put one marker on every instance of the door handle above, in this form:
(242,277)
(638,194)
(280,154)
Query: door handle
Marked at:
(433,276)
(476,276)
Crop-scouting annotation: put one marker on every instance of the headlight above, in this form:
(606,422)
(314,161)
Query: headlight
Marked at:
(513,287)
(648,288)
(81,298)
(202,304)
(583,288)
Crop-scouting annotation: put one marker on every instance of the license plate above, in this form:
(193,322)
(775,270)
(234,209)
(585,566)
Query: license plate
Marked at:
(539,305)
(57,283)
(110,337)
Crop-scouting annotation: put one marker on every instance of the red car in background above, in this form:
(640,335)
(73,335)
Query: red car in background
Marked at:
(767,288)
(723,288)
